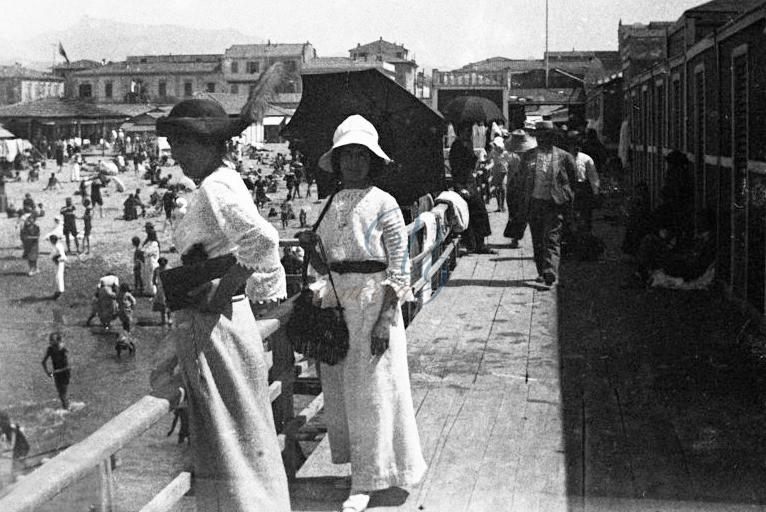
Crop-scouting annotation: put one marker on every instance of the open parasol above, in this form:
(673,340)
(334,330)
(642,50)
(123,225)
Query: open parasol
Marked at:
(410,131)
(472,109)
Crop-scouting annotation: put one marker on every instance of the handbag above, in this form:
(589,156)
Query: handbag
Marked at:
(315,332)
(179,281)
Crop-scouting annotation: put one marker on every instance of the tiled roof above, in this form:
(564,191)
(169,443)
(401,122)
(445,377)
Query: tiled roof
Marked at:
(78,64)
(128,109)
(160,68)
(379,46)
(333,64)
(501,63)
(52,108)
(17,71)
(397,60)
(726,6)
(196,57)
(265,50)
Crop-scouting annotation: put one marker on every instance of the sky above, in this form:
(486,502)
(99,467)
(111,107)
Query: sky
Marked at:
(438,33)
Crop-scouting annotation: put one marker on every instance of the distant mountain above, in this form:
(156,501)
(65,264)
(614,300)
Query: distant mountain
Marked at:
(98,39)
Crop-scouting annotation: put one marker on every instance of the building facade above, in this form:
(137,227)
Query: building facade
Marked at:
(161,79)
(167,79)
(382,52)
(19,84)
(706,99)
(243,65)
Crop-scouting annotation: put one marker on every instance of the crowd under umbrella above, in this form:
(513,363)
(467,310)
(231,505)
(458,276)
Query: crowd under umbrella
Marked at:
(472,109)
(410,131)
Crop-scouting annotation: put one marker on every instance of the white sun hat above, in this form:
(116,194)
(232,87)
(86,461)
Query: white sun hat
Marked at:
(354,130)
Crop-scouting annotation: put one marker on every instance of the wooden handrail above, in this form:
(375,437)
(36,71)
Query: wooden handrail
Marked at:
(69,466)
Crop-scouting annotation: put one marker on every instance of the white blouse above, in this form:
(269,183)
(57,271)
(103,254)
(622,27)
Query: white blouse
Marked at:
(367,225)
(223,218)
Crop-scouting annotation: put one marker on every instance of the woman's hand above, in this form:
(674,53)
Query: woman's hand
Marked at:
(309,241)
(381,334)
(381,331)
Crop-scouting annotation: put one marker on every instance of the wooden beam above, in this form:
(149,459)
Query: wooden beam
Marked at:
(172,493)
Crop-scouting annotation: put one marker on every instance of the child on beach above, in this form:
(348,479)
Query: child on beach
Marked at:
(87,218)
(61,372)
(104,303)
(286,212)
(53,183)
(125,304)
(138,263)
(159,304)
(59,259)
(124,343)
(70,223)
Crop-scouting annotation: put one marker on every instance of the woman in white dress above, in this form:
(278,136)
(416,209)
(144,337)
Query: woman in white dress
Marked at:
(151,250)
(368,401)
(238,466)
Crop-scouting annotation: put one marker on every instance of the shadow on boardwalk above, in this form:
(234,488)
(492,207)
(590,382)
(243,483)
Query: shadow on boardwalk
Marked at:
(662,408)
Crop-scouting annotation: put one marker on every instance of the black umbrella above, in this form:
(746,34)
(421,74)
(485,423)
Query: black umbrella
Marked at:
(410,131)
(472,109)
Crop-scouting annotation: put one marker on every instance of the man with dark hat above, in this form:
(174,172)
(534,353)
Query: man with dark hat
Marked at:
(517,145)
(547,172)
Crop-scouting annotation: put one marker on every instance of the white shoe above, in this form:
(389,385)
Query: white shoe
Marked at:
(356,503)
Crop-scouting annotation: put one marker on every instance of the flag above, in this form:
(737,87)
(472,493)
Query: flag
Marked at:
(62,52)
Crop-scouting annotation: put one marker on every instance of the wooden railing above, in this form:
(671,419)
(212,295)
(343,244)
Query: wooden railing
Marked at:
(431,266)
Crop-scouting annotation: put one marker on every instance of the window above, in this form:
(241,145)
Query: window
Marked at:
(143,60)
(187,88)
(400,55)
(290,66)
(162,86)
(235,89)
(85,91)
(108,89)
(210,87)
(253,67)
(251,89)
(235,67)
(379,58)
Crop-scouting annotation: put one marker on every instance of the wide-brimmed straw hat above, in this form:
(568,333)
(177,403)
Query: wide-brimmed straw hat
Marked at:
(199,118)
(521,141)
(354,130)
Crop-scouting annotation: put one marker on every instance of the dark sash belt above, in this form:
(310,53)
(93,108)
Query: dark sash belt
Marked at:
(358,267)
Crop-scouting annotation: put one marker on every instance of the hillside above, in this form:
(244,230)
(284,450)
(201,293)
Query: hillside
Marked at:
(98,39)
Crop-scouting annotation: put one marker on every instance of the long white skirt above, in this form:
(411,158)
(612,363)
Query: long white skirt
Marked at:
(238,466)
(368,402)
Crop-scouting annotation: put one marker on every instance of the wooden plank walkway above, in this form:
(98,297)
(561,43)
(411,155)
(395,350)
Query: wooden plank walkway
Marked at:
(484,365)
(586,398)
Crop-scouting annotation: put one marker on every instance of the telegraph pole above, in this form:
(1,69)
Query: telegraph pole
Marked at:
(546,44)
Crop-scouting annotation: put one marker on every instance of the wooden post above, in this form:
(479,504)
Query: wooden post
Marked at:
(107,486)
